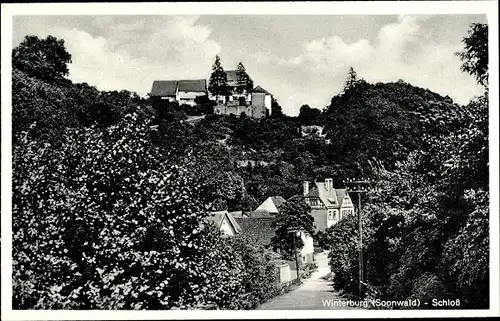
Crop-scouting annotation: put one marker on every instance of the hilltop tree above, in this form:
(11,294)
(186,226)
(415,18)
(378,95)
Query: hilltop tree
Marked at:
(293,216)
(352,79)
(45,59)
(309,116)
(475,56)
(217,84)
(245,83)
(276,110)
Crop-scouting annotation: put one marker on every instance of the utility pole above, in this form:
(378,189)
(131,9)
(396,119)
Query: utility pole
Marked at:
(294,231)
(359,186)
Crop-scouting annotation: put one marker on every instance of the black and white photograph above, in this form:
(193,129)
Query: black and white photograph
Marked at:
(261,159)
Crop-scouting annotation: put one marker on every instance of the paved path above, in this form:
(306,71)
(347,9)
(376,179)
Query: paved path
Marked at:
(311,295)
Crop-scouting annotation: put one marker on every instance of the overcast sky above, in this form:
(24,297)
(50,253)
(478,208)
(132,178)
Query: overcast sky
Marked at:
(300,59)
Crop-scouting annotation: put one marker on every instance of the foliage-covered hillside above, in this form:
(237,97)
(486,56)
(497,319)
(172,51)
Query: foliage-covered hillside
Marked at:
(385,121)
(426,227)
(134,181)
(111,200)
(365,124)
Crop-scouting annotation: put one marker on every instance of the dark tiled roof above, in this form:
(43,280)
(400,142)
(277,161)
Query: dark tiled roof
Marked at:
(259,230)
(197,85)
(162,88)
(260,214)
(259,89)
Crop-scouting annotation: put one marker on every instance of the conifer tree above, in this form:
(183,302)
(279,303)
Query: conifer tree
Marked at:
(245,83)
(217,84)
(352,79)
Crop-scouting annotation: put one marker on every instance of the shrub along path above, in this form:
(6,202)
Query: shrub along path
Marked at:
(311,295)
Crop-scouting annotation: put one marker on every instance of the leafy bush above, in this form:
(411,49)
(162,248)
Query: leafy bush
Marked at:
(107,220)
(259,275)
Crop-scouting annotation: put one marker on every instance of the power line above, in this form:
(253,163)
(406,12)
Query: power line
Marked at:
(359,186)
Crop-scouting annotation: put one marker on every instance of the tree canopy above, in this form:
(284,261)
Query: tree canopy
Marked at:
(293,217)
(309,116)
(351,80)
(217,84)
(475,54)
(245,83)
(46,59)
(425,227)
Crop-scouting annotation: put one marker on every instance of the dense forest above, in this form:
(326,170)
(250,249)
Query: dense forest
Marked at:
(426,220)
(125,183)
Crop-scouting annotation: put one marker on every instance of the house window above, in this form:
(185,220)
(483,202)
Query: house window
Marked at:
(330,215)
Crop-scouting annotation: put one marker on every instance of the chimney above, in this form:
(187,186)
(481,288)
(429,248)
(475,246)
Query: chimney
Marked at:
(328,184)
(306,187)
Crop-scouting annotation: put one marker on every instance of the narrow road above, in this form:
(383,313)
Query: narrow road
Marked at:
(315,293)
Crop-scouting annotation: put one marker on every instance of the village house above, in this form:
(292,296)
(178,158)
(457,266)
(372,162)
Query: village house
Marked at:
(232,84)
(256,105)
(225,222)
(261,97)
(258,227)
(181,91)
(328,205)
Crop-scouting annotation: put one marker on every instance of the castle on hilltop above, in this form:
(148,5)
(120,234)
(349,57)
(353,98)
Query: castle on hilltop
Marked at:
(255,103)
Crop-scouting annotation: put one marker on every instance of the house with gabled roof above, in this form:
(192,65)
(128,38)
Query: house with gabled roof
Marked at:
(261,97)
(225,222)
(271,204)
(165,90)
(181,91)
(259,227)
(328,205)
(256,105)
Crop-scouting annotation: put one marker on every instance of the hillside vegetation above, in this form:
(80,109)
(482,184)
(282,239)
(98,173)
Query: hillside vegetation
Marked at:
(129,186)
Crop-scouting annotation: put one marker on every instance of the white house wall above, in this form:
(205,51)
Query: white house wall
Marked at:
(307,250)
(267,102)
(188,97)
(226,228)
